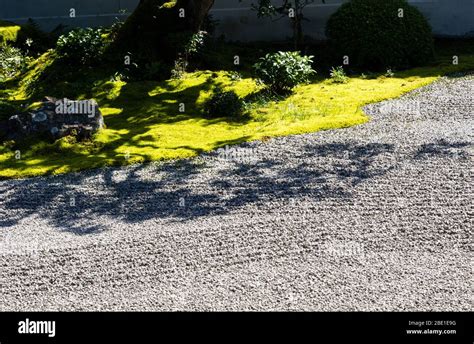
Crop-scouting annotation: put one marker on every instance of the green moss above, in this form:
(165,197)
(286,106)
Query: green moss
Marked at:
(168,4)
(144,122)
(8,32)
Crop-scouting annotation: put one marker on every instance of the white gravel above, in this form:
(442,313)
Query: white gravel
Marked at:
(373,217)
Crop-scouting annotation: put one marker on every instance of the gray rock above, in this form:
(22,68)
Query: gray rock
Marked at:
(55,118)
(40,116)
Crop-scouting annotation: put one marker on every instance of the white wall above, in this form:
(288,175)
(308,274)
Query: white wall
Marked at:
(237,20)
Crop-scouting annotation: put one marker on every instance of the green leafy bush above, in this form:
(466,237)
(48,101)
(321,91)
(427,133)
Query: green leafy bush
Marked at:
(338,75)
(284,70)
(224,104)
(12,61)
(82,46)
(377,35)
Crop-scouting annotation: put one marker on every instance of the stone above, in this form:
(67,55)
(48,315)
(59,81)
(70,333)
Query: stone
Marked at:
(40,117)
(56,118)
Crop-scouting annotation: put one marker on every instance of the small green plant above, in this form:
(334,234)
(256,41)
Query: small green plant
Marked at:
(12,61)
(369,75)
(224,104)
(389,73)
(10,144)
(195,42)
(188,44)
(179,69)
(82,46)
(282,71)
(235,76)
(338,75)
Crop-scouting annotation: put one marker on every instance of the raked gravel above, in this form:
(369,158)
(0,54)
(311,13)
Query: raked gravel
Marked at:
(372,217)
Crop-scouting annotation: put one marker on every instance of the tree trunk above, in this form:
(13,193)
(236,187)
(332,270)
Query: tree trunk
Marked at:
(195,11)
(156,28)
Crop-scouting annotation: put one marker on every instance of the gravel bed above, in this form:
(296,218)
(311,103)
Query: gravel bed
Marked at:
(372,217)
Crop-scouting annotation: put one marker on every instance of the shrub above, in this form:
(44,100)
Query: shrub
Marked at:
(284,70)
(224,104)
(83,46)
(378,34)
(338,75)
(12,61)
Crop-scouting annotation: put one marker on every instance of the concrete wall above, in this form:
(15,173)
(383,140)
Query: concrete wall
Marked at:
(237,20)
(447,18)
(50,13)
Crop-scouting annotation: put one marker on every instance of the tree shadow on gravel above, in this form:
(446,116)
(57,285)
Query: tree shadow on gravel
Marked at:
(190,189)
(443,148)
(210,185)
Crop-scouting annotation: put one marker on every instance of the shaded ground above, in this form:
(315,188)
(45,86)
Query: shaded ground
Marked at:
(373,217)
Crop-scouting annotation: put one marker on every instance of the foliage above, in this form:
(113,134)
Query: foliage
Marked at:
(224,104)
(195,42)
(289,8)
(338,75)
(188,44)
(114,29)
(179,69)
(282,71)
(12,61)
(376,34)
(82,46)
